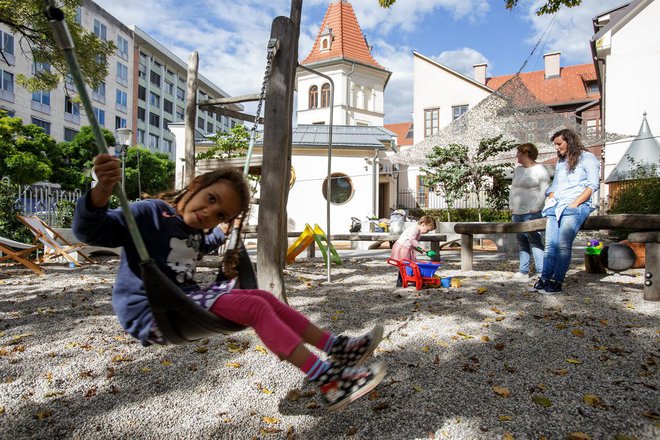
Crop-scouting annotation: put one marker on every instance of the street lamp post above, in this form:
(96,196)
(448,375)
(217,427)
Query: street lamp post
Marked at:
(124,136)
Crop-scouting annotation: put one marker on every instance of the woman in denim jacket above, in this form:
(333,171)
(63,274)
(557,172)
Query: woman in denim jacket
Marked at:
(569,202)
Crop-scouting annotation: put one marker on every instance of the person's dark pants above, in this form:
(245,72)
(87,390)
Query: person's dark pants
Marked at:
(399,280)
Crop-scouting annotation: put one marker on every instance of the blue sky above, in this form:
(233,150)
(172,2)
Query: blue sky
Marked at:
(231,36)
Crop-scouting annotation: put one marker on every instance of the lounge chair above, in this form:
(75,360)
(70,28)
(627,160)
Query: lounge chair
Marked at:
(53,243)
(16,250)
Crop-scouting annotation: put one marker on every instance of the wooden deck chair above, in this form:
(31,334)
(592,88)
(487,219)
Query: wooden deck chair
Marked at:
(53,243)
(16,250)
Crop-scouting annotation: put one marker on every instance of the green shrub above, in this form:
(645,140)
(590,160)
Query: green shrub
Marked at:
(464,214)
(64,213)
(640,197)
(10,226)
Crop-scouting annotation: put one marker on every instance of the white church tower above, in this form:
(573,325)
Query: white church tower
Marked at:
(342,53)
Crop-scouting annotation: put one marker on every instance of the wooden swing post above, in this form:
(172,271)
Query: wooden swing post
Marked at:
(276,161)
(191,119)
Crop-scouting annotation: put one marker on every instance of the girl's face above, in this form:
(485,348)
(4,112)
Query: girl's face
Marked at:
(217,203)
(560,146)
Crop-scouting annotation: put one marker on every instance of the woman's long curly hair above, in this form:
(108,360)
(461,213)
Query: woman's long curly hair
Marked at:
(237,182)
(575,147)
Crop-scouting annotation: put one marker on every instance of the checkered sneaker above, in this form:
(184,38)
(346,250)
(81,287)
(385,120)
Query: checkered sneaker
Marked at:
(341,385)
(353,352)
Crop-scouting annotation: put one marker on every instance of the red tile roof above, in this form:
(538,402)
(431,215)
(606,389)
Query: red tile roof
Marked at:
(348,42)
(567,88)
(402,129)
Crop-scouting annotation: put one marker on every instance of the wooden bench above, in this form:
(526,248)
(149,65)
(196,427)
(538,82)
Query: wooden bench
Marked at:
(636,222)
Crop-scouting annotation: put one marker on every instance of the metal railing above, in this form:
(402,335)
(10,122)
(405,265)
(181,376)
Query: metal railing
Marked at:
(432,200)
(42,199)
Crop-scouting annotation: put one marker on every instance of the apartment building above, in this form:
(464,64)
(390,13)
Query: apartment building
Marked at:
(145,88)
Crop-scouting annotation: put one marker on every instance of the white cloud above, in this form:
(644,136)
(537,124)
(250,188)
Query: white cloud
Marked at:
(570,32)
(462,60)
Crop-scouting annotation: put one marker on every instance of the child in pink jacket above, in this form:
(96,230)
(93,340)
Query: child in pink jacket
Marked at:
(407,246)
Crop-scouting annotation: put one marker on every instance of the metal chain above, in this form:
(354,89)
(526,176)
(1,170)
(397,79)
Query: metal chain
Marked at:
(273,47)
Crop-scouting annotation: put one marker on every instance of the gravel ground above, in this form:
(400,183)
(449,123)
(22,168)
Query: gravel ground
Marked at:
(488,360)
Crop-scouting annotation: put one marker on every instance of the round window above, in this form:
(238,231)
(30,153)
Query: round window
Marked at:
(341,188)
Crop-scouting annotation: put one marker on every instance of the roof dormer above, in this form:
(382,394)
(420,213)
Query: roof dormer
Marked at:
(325,40)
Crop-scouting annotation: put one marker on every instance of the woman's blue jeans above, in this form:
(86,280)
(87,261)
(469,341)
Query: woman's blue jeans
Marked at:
(559,237)
(529,244)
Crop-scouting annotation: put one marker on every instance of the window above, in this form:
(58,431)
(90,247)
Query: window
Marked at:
(122,73)
(120,122)
(142,93)
(121,102)
(100,115)
(71,110)
(457,111)
(341,188)
(43,124)
(169,88)
(168,105)
(7,85)
(200,123)
(180,115)
(166,123)
(141,114)
(40,66)
(7,42)
(153,141)
(69,134)
(154,119)
(313,97)
(422,192)
(98,94)
(154,99)
(592,87)
(154,78)
(325,95)
(209,127)
(100,30)
(140,137)
(78,18)
(122,47)
(167,145)
(431,121)
(142,71)
(41,97)
(180,94)
(593,126)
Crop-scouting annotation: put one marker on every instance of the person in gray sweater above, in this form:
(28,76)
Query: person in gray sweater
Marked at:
(526,198)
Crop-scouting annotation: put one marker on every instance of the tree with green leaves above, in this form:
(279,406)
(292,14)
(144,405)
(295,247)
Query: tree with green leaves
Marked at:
(147,172)
(455,172)
(30,27)
(228,145)
(25,151)
(72,161)
(549,7)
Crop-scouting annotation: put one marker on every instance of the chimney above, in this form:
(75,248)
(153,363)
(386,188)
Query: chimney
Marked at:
(480,73)
(552,66)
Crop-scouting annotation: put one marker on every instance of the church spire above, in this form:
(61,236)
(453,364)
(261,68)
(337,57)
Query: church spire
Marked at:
(340,37)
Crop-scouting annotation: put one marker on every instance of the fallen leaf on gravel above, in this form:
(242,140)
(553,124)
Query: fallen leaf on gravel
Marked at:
(417,388)
(233,364)
(381,406)
(56,393)
(508,436)
(624,437)
(651,415)
(443,344)
(312,405)
(496,310)
(234,348)
(269,430)
(293,395)
(560,371)
(121,358)
(499,346)
(591,399)
(166,362)
(201,350)
(263,389)
(260,349)
(574,361)
(2,409)
(543,401)
(505,418)
(352,430)
(425,349)
(561,326)
(578,436)
(481,290)
(43,414)
(271,420)
(501,391)
(465,335)
(578,332)
(485,338)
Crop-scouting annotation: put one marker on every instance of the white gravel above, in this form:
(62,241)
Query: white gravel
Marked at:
(67,370)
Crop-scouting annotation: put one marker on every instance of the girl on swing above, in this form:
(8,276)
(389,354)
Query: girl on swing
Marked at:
(175,238)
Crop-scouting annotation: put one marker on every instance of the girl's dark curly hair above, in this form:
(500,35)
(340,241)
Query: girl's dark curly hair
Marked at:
(575,147)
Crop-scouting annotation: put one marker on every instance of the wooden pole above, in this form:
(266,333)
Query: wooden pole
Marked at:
(191,119)
(276,161)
